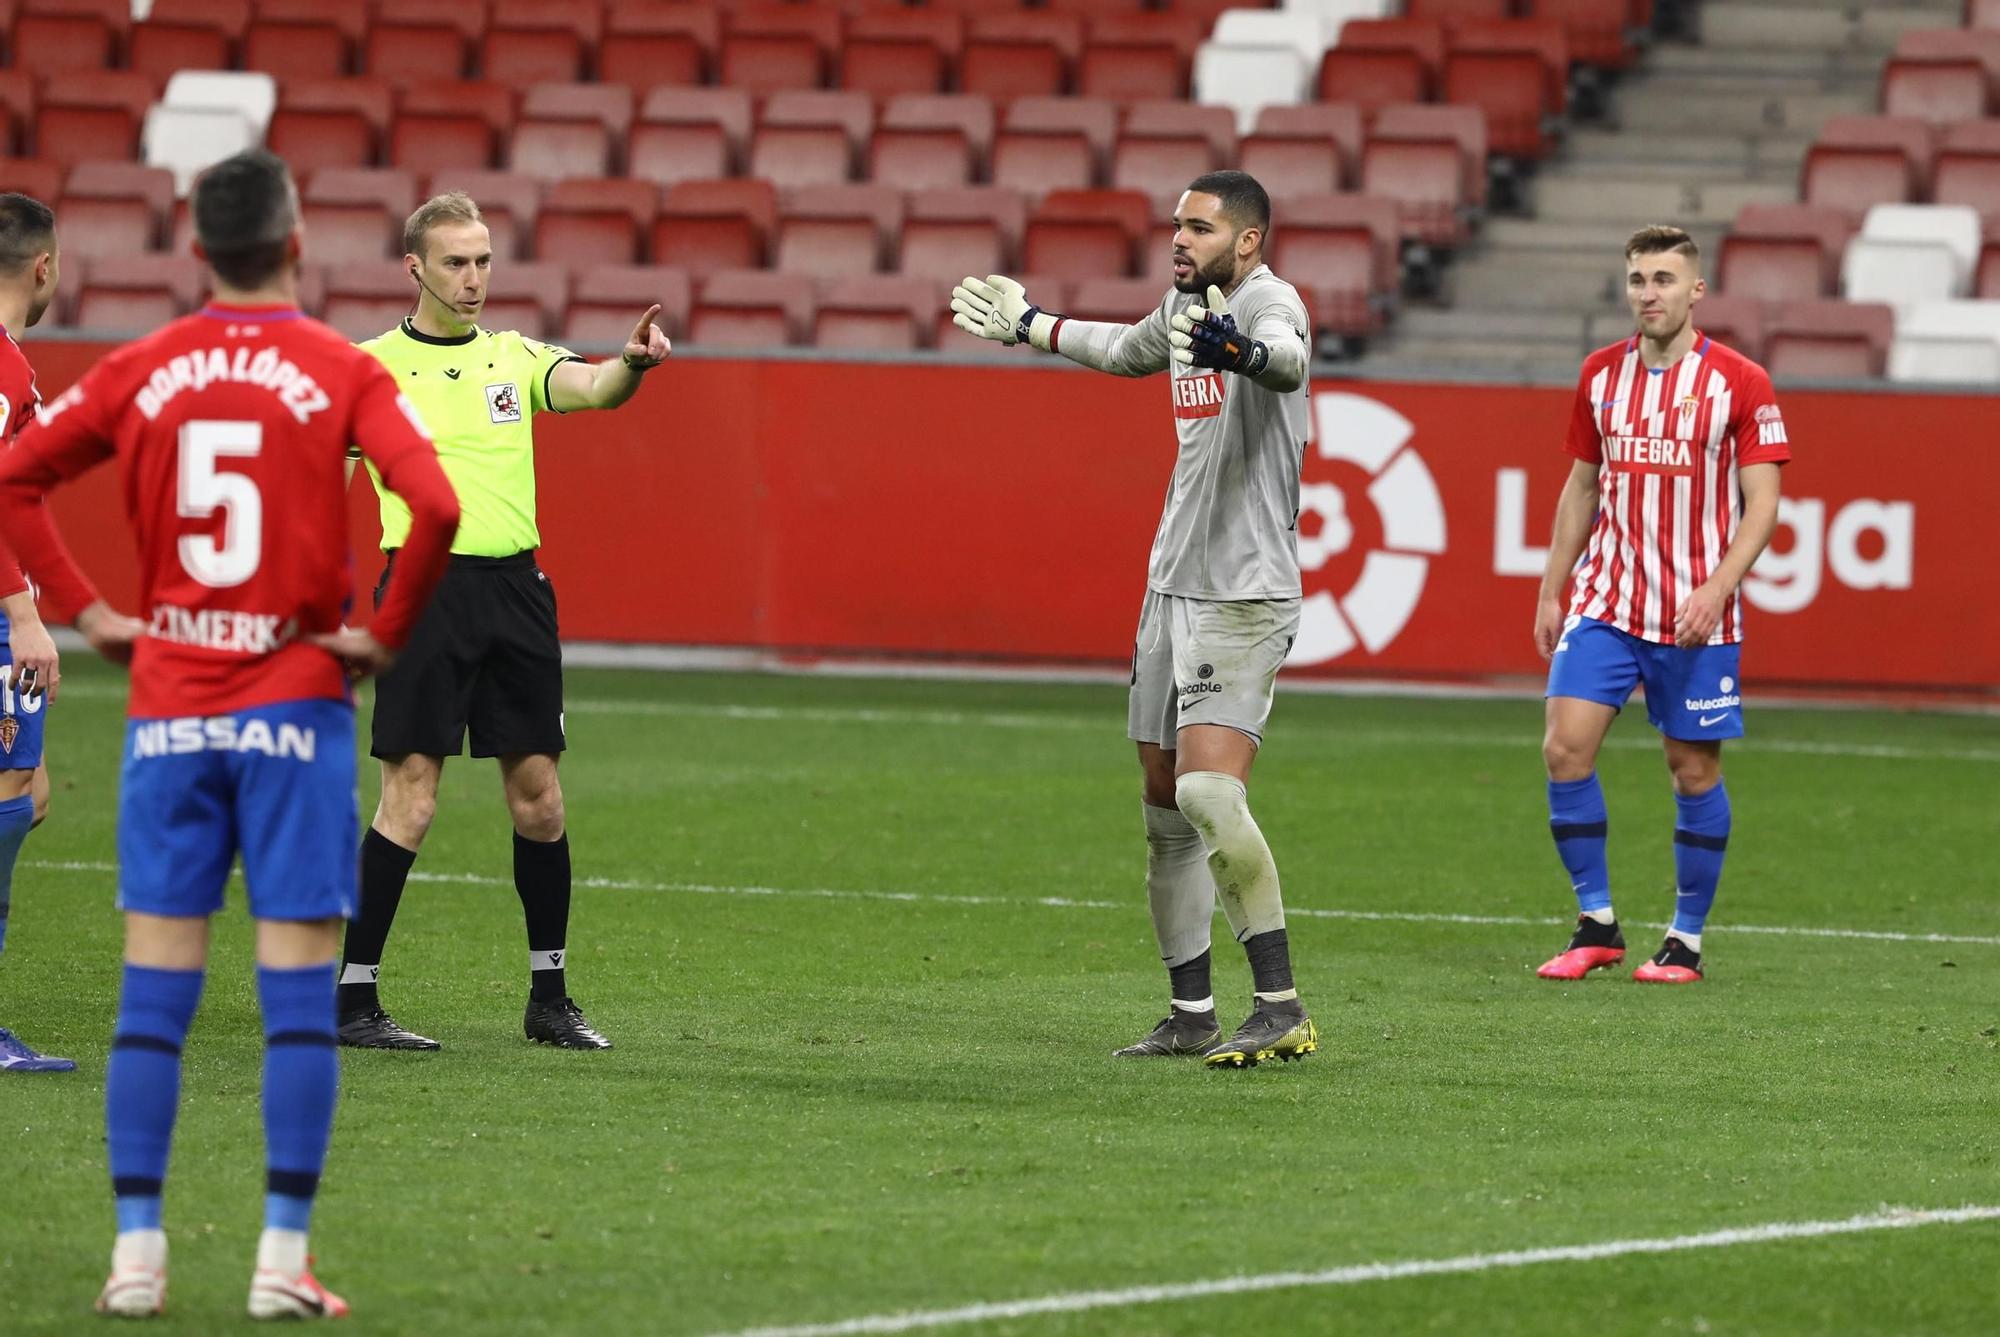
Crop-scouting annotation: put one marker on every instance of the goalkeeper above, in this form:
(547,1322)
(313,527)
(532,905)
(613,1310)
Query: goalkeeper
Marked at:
(1222,595)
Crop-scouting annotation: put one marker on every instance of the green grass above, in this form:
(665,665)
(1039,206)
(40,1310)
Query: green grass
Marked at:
(826,1106)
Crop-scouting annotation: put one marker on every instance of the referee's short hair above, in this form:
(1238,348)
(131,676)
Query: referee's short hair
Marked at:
(27,229)
(245,209)
(1243,199)
(454,206)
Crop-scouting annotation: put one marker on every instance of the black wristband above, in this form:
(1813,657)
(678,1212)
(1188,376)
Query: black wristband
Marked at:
(1256,357)
(640,367)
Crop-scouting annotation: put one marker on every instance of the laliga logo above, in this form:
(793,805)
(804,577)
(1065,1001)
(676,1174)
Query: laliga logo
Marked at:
(1370,436)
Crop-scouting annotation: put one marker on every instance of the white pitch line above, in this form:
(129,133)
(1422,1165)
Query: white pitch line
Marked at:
(1074,903)
(1889,1218)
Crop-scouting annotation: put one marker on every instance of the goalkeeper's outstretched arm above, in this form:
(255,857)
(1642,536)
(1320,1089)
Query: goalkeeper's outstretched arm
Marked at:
(997,308)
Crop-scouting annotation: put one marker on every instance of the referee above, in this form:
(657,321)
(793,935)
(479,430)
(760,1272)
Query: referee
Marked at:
(486,654)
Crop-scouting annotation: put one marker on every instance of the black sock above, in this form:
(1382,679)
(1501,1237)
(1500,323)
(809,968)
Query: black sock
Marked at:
(541,877)
(1270,961)
(1190,982)
(385,867)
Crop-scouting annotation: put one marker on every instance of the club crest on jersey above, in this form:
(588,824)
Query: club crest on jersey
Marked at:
(10,729)
(1197,396)
(1689,407)
(503,402)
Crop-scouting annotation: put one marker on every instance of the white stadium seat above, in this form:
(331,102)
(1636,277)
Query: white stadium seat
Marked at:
(255,95)
(1307,33)
(1953,225)
(1901,273)
(1340,11)
(186,139)
(1955,342)
(1250,78)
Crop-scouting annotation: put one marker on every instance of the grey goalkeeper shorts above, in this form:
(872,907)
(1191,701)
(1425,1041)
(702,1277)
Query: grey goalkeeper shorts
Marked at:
(1202,662)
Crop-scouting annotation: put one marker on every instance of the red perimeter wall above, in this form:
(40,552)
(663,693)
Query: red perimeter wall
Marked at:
(1007,513)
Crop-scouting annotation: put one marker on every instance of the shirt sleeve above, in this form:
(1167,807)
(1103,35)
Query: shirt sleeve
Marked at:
(1584,440)
(545,359)
(1122,350)
(1281,325)
(393,438)
(1760,426)
(71,437)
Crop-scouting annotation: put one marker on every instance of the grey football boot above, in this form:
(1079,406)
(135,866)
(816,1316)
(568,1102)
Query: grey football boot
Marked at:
(1181,1033)
(1272,1030)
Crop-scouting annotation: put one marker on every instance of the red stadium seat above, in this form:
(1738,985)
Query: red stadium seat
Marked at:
(1215,124)
(970,116)
(595,220)
(1161,166)
(1952,44)
(364,300)
(1772,269)
(388,188)
(1464,126)
(509,203)
(1733,321)
(608,300)
(921,159)
(431,141)
(665,154)
(329,123)
(1371,79)
(836,230)
(1915,139)
(107,284)
(162,48)
(1969,178)
(73,132)
(1982,13)
(1422,38)
(414,51)
(1334,123)
(40,178)
(1803,230)
(1340,251)
(1510,89)
(62,44)
(228,17)
(1451,11)
(884,66)
(352,233)
(1132,69)
(528,296)
(658,43)
(951,233)
(1037,162)
(106,227)
(552,149)
(1426,180)
(714,225)
(1081,234)
(493,103)
(150,186)
(127,311)
(296,49)
(1301,163)
(1096,119)
(1828,339)
(789,156)
(1938,91)
(612,105)
(1854,178)
(1596,31)
(879,313)
(851,113)
(751,309)
(769,62)
(1540,39)
(17,96)
(1062,33)
(541,41)
(726,108)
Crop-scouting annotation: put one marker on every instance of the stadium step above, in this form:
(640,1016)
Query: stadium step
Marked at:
(1749,156)
(1744,111)
(1500,322)
(1818,25)
(1843,66)
(1622,199)
(1522,239)
(1541,280)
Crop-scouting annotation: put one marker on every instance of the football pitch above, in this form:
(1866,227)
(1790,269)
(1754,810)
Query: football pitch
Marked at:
(864,947)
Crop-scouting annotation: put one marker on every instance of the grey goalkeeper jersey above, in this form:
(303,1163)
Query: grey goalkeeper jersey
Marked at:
(1230,527)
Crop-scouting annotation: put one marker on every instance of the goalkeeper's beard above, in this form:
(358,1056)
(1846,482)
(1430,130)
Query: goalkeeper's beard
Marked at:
(1222,274)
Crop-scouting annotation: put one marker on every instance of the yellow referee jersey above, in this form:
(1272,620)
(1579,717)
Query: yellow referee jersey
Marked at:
(478,394)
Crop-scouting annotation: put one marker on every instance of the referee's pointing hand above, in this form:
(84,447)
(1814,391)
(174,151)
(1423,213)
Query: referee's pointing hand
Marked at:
(648,346)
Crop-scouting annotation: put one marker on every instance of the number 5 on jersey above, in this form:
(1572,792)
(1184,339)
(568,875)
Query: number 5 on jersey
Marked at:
(205,487)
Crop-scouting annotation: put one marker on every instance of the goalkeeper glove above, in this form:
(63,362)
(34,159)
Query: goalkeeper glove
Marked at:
(1209,338)
(996,307)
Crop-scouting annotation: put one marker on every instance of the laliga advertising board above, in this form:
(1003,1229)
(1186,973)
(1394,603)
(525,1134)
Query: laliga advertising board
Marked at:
(1426,511)
(853,509)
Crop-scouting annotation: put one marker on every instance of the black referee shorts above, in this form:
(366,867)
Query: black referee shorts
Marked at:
(484,654)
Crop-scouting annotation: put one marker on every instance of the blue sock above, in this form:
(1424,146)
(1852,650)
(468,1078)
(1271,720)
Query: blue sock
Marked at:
(16,816)
(1701,838)
(301,1079)
(1578,823)
(142,1086)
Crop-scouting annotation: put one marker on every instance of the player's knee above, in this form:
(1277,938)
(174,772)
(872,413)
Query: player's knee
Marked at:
(1564,759)
(1695,774)
(405,815)
(538,815)
(1160,791)
(1212,801)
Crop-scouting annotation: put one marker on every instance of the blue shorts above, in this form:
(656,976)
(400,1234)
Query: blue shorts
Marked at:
(1694,695)
(276,782)
(22,719)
